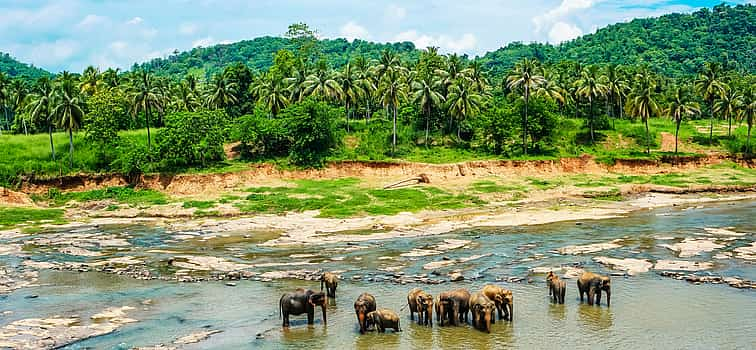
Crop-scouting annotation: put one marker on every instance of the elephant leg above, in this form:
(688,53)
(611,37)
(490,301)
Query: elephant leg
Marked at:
(412,315)
(598,297)
(501,312)
(286,319)
(311,317)
(591,295)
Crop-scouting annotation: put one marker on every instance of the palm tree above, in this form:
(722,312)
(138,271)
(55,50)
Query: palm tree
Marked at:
(392,92)
(748,111)
(221,93)
(296,83)
(616,88)
(3,98)
(90,81)
(710,85)
(642,102)
(322,84)
(679,107)
(146,97)
(351,89)
(41,106)
(427,96)
(110,77)
(727,106)
(69,113)
(590,86)
(474,72)
(272,93)
(526,76)
(184,99)
(18,91)
(463,101)
(366,82)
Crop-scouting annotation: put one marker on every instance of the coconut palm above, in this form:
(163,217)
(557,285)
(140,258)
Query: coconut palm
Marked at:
(17,93)
(616,88)
(296,83)
(4,81)
(426,95)
(642,102)
(41,107)
(90,81)
(366,82)
(463,101)
(709,85)
(474,72)
(183,98)
(221,93)
(591,87)
(526,76)
(323,84)
(271,91)
(747,112)
(392,91)
(146,98)
(110,78)
(679,107)
(351,89)
(727,106)
(69,113)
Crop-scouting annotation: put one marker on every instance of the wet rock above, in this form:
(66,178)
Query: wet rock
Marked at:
(195,337)
(307,275)
(726,231)
(230,284)
(747,252)
(32,296)
(631,266)
(79,252)
(693,246)
(590,248)
(680,265)
(456,277)
(207,263)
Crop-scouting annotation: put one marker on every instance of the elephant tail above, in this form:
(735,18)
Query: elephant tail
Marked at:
(280,307)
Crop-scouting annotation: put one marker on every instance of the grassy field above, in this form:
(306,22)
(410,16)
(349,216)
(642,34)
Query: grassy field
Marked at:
(10,217)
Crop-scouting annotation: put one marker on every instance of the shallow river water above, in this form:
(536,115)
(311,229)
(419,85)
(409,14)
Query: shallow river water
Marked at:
(647,311)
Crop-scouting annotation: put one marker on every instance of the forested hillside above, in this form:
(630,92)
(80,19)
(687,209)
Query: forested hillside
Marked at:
(14,68)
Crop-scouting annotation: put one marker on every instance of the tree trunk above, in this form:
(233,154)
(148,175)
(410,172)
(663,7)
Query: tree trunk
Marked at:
(70,147)
(393,144)
(427,126)
(711,119)
(648,140)
(677,132)
(149,140)
(525,123)
(729,125)
(52,146)
(621,107)
(748,140)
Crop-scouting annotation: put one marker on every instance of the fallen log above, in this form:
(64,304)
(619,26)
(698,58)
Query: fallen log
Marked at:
(419,179)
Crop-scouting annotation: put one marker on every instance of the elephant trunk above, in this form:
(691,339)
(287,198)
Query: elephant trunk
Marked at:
(591,294)
(488,321)
(429,314)
(455,313)
(361,318)
(511,310)
(608,296)
(323,308)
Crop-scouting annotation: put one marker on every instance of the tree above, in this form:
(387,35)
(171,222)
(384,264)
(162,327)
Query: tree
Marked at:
(146,97)
(41,107)
(727,106)
(392,91)
(221,93)
(642,102)
(69,113)
(525,76)
(463,101)
(184,97)
(272,93)
(748,111)
(426,96)
(709,85)
(679,107)
(322,84)
(90,81)
(616,87)
(3,97)
(590,86)
(351,89)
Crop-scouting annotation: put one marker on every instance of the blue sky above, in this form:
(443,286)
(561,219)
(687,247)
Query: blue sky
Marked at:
(71,34)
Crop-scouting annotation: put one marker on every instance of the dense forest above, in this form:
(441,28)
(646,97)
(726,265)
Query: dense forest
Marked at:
(14,68)
(305,109)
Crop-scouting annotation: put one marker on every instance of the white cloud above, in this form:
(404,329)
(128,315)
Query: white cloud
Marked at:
(53,52)
(119,47)
(135,21)
(563,31)
(203,42)
(91,21)
(465,43)
(352,30)
(565,8)
(395,13)
(188,28)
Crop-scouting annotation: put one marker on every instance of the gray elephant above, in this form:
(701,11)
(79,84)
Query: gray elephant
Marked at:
(483,311)
(383,319)
(364,304)
(331,281)
(300,302)
(454,306)
(592,284)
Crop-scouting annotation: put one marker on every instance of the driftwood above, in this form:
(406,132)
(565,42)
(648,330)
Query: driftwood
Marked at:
(419,179)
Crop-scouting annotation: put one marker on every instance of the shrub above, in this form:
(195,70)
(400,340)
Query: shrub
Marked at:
(193,138)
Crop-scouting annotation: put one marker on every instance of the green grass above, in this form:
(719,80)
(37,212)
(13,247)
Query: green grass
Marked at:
(199,204)
(488,186)
(10,217)
(346,198)
(544,184)
(609,195)
(125,195)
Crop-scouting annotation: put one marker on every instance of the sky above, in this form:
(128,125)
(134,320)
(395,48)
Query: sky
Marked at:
(72,34)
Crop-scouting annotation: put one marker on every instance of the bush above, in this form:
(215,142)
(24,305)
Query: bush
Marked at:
(193,138)
(262,137)
(312,128)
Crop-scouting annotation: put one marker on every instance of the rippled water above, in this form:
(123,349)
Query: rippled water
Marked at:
(648,311)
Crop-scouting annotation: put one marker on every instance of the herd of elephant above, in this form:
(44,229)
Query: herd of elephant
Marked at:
(450,307)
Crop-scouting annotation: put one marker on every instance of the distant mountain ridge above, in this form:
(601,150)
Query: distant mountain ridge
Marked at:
(14,68)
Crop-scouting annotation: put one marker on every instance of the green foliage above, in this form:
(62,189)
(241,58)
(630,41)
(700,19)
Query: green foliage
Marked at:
(126,195)
(13,68)
(10,217)
(199,204)
(193,138)
(345,198)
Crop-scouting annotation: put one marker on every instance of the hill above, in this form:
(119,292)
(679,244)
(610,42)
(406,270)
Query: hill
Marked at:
(14,68)
(675,44)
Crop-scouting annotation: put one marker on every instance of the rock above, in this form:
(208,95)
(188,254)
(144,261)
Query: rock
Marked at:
(32,296)
(723,231)
(590,248)
(195,337)
(230,284)
(79,252)
(456,277)
(747,252)
(679,265)
(693,246)
(632,266)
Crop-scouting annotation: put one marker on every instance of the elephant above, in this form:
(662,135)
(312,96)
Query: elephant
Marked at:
(438,307)
(364,304)
(557,287)
(592,284)
(299,302)
(384,318)
(422,303)
(503,299)
(454,306)
(331,281)
(483,311)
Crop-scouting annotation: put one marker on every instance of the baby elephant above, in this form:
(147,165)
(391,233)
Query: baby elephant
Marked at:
(422,303)
(331,281)
(557,287)
(483,311)
(384,318)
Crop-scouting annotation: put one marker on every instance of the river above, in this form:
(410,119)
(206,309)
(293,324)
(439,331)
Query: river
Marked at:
(647,311)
